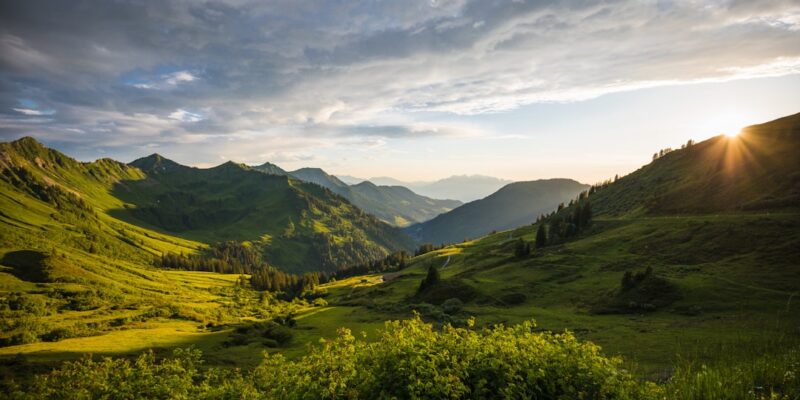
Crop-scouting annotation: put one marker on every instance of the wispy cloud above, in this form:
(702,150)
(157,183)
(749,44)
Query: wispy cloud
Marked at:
(28,111)
(186,116)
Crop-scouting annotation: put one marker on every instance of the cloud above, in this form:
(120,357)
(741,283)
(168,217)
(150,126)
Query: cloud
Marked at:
(164,81)
(308,75)
(186,116)
(28,111)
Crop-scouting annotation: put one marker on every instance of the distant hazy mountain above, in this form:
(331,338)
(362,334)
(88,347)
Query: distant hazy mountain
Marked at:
(460,187)
(513,205)
(389,181)
(350,180)
(396,205)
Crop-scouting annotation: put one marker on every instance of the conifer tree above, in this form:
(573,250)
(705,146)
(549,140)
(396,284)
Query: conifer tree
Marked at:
(541,236)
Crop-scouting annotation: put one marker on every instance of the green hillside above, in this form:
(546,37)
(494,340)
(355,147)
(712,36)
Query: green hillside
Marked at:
(299,226)
(698,299)
(513,205)
(758,169)
(396,205)
(705,297)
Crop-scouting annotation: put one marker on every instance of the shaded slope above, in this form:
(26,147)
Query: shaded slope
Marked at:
(515,204)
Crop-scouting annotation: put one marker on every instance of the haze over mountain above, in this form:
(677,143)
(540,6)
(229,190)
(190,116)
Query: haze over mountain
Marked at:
(515,204)
(351,180)
(465,188)
(396,205)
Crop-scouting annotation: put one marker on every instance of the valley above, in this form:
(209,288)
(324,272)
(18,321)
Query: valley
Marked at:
(648,266)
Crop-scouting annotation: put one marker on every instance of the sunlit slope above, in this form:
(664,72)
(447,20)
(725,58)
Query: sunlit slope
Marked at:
(300,226)
(758,169)
(67,269)
(722,273)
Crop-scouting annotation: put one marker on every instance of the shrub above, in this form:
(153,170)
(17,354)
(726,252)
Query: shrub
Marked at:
(452,306)
(411,359)
(513,299)
(320,302)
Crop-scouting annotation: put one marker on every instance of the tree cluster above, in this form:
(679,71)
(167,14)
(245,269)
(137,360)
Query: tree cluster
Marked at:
(563,224)
(427,248)
(292,285)
(224,258)
(393,262)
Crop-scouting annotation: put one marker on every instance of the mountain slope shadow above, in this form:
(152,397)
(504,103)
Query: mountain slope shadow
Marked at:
(27,265)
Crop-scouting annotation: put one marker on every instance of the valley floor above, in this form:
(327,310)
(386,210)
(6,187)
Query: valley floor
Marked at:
(738,279)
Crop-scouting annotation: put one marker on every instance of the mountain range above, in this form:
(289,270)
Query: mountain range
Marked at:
(296,226)
(396,205)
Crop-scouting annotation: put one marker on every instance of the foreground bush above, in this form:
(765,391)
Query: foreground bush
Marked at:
(410,359)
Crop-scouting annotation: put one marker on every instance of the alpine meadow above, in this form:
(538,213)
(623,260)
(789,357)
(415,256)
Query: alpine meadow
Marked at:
(400,200)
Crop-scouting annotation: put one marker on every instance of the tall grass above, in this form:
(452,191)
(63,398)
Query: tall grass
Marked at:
(760,368)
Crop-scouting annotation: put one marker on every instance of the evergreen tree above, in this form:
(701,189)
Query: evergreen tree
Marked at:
(521,248)
(541,236)
(431,279)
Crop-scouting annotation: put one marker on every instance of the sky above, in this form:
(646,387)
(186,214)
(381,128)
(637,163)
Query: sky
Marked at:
(415,90)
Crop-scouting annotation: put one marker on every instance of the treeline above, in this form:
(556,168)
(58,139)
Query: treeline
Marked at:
(559,225)
(427,248)
(224,258)
(393,262)
(291,285)
(665,151)
(241,258)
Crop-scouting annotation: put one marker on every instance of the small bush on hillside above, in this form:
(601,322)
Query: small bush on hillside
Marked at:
(452,306)
(513,299)
(443,290)
(638,292)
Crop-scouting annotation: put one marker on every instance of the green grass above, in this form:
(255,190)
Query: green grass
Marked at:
(734,270)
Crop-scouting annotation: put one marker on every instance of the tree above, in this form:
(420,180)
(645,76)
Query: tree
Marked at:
(541,236)
(431,279)
(627,281)
(585,214)
(521,248)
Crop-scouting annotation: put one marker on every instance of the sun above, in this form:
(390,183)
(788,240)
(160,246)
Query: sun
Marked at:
(732,135)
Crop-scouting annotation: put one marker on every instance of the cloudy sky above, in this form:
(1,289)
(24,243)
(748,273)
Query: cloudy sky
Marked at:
(519,89)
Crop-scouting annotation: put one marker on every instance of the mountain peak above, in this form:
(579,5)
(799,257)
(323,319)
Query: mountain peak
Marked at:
(270,168)
(28,145)
(155,163)
(232,165)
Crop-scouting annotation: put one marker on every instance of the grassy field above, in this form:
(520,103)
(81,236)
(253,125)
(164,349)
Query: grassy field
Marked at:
(736,275)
